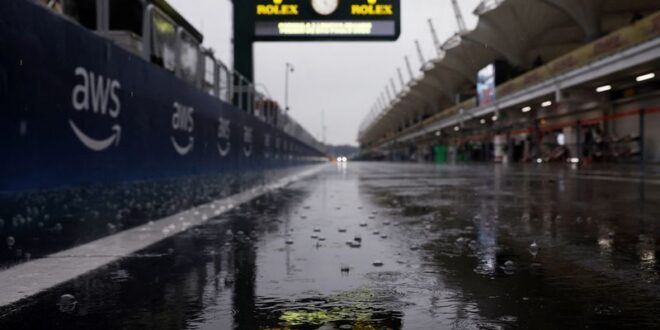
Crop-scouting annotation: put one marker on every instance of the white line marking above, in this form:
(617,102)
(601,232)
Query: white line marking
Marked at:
(28,279)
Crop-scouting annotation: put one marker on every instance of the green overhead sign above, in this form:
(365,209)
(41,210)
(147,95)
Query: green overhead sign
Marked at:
(314,20)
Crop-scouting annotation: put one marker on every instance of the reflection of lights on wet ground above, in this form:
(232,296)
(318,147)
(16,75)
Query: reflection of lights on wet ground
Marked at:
(646,250)
(354,308)
(487,237)
(647,257)
(561,185)
(323,317)
(300,291)
(342,165)
(605,241)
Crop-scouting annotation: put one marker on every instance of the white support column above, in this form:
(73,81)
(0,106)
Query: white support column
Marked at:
(500,141)
(571,138)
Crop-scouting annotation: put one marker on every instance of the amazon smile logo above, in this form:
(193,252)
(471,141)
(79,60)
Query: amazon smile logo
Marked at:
(97,95)
(182,121)
(223,136)
(248,138)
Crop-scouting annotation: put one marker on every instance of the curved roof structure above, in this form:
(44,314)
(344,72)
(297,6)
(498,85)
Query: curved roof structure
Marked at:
(524,33)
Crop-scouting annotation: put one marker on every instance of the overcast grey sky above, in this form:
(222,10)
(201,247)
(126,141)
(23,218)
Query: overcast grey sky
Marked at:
(344,79)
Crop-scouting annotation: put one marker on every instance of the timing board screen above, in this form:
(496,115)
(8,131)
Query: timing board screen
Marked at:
(314,20)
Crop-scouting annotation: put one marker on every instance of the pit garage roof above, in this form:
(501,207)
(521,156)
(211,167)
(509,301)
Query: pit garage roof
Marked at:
(520,32)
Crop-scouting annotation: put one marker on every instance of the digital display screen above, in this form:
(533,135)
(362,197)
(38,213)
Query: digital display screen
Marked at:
(328,29)
(486,85)
(299,20)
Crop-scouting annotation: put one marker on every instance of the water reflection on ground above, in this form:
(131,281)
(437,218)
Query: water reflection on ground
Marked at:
(393,246)
(34,224)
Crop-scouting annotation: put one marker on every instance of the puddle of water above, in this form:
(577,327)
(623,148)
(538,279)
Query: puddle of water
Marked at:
(40,223)
(476,259)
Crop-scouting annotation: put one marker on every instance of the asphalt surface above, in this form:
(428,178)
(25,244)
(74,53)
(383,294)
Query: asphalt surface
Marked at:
(440,247)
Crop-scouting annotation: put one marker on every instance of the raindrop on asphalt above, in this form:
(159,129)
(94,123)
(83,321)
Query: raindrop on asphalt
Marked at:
(534,249)
(460,242)
(112,229)
(229,280)
(509,267)
(67,303)
(345,268)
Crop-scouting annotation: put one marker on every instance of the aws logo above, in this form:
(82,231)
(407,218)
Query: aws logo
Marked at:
(224,133)
(372,9)
(95,98)
(183,125)
(277,9)
(248,138)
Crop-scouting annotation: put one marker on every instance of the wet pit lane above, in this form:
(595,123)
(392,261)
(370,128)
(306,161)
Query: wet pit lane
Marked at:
(392,246)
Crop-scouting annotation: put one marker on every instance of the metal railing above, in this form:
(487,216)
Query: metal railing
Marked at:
(197,66)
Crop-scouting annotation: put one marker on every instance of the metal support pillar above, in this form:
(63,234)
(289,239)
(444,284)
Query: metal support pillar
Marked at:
(642,115)
(510,145)
(536,139)
(578,141)
(243,38)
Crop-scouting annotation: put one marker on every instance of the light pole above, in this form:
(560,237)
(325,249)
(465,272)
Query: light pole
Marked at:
(289,69)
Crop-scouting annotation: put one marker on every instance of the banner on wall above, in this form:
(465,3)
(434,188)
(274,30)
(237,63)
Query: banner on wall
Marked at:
(486,85)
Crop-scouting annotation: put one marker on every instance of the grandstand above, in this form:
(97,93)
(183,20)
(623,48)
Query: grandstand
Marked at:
(574,80)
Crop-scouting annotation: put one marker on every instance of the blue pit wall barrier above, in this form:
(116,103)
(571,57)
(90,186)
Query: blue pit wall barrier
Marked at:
(77,109)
